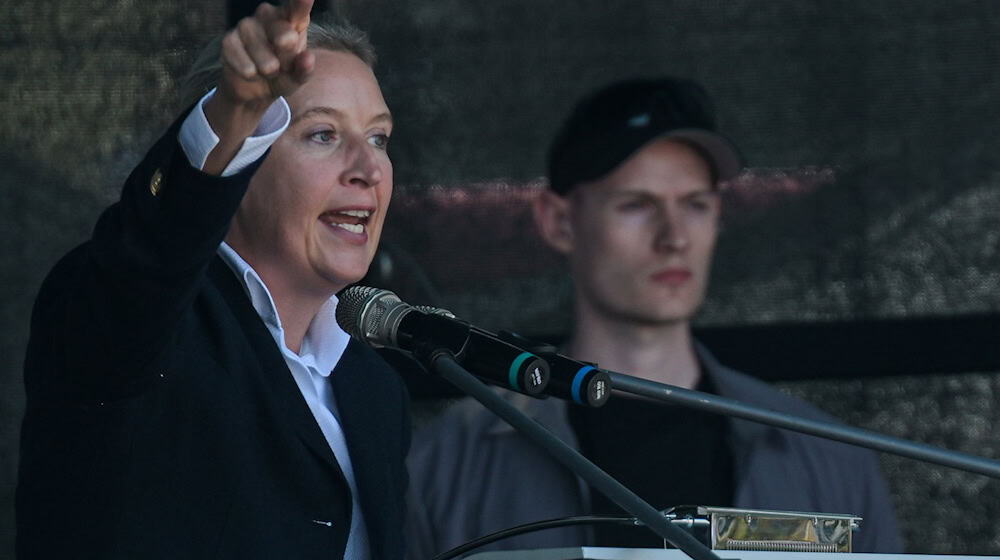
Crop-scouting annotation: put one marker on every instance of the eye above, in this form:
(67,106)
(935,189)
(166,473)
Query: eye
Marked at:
(633,204)
(380,141)
(323,136)
(700,203)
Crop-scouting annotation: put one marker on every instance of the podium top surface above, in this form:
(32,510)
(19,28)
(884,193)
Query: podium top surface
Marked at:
(601,553)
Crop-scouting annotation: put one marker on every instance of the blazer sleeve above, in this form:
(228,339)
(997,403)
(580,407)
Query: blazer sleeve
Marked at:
(106,311)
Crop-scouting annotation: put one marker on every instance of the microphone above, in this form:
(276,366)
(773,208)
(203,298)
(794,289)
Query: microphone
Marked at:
(379,318)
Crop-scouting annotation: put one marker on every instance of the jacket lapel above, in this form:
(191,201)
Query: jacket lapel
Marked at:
(364,417)
(289,407)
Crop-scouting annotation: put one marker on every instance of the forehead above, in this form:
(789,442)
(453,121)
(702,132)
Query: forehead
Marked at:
(664,167)
(343,82)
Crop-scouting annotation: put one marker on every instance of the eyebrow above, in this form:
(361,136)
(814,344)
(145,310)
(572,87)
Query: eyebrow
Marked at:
(643,192)
(323,110)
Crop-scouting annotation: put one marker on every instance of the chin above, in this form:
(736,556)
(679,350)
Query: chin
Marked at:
(343,280)
(344,273)
(670,314)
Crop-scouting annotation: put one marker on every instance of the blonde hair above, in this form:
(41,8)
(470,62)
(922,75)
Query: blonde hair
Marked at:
(329,35)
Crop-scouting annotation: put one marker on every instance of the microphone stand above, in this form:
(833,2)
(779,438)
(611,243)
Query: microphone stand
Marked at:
(443,363)
(847,434)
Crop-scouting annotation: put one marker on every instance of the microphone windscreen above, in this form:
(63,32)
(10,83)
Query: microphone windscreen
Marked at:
(362,313)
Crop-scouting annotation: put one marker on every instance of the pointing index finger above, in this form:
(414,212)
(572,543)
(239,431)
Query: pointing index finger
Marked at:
(297,12)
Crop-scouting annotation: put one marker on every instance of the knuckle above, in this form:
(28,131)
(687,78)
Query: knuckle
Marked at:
(263,10)
(230,41)
(247,71)
(246,27)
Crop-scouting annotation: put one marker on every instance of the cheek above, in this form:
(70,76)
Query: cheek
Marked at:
(387,170)
(621,240)
(256,202)
(303,188)
(604,261)
(706,236)
(266,186)
(702,253)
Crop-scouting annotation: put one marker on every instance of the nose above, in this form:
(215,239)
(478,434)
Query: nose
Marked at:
(362,166)
(671,231)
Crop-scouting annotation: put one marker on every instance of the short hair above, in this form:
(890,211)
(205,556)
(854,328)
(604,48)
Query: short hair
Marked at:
(325,34)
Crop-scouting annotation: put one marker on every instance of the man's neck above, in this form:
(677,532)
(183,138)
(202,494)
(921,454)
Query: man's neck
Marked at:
(663,353)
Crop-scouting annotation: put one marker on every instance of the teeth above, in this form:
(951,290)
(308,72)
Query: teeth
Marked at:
(357,213)
(353,228)
(331,219)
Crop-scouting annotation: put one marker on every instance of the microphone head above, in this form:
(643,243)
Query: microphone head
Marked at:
(371,315)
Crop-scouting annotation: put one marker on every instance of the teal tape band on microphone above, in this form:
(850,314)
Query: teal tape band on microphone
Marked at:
(578,382)
(515,366)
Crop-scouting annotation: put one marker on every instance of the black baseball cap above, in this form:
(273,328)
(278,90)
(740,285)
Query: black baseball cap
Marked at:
(608,126)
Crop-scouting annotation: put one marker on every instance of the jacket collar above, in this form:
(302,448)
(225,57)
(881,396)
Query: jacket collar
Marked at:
(727,383)
(290,407)
(324,342)
(360,386)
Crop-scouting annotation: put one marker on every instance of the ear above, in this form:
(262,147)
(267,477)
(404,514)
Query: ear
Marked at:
(552,217)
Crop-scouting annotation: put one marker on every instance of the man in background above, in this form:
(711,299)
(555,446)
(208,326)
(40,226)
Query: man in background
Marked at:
(633,204)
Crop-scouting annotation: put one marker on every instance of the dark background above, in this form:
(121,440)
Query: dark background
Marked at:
(861,249)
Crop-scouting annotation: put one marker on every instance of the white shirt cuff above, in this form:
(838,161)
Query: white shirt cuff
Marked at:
(197,138)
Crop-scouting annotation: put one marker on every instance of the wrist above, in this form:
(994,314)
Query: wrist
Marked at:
(234,120)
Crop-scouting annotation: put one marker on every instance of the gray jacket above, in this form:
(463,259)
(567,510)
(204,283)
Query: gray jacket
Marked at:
(471,474)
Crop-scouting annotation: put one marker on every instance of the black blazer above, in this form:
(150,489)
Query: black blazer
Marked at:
(162,421)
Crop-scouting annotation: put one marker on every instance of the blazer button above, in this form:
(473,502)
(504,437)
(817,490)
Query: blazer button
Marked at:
(156,183)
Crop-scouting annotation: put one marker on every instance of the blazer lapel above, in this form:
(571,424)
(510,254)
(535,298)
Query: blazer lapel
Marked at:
(363,417)
(290,407)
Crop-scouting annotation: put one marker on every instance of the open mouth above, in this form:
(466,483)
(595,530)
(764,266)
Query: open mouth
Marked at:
(354,221)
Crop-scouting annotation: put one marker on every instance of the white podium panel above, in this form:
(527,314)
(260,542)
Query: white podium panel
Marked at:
(598,553)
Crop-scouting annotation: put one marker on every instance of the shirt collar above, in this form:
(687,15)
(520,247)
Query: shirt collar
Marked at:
(324,342)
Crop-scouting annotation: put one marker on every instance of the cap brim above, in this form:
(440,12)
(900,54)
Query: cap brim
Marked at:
(727,160)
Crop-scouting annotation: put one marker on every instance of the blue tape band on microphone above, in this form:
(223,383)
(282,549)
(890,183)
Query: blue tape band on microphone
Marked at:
(515,366)
(578,382)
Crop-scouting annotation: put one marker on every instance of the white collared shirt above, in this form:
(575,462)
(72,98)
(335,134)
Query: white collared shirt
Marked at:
(324,342)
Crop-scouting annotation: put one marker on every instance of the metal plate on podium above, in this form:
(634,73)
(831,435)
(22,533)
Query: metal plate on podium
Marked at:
(722,528)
